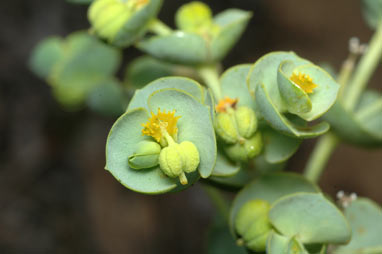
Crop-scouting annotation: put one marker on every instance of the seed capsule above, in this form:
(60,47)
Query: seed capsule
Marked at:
(190,156)
(146,155)
(246,150)
(252,224)
(225,126)
(246,121)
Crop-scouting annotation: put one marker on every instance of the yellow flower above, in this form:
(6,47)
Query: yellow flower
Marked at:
(303,81)
(161,124)
(226,103)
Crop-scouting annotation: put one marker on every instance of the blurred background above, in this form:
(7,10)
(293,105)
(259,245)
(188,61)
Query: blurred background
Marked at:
(55,196)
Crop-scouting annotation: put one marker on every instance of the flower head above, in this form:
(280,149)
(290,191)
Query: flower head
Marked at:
(304,81)
(160,124)
(226,103)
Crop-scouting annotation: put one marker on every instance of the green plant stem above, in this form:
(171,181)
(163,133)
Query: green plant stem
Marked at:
(218,200)
(365,69)
(346,72)
(210,76)
(320,156)
(158,27)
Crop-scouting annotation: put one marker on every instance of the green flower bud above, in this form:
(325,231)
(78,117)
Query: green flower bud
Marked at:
(171,160)
(146,155)
(248,149)
(225,127)
(121,22)
(193,16)
(246,121)
(190,156)
(252,224)
(177,159)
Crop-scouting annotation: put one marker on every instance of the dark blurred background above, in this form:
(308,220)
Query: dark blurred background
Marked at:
(55,196)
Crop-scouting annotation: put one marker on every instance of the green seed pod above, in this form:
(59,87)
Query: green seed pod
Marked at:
(225,127)
(252,224)
(171,160)
(248,149)
(193,16)
(190,156)
(146,155)
(246,121)
(121,22)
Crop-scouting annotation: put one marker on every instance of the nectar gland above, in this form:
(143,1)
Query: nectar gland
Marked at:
(304,81)
(225,104)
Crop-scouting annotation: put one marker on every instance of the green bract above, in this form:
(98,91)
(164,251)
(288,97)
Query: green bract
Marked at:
(122,22)
(199,41)
(194,125)
(75,66)
(365,218)
(283,83)
(372,11)
(363,126)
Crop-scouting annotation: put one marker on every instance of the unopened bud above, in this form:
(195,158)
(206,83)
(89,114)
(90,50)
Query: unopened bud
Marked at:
(145,156)
(252,224)
(193,16)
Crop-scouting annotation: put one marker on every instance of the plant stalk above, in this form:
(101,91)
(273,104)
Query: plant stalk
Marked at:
(320,156)
(367,65)
(210,76)
(158,27)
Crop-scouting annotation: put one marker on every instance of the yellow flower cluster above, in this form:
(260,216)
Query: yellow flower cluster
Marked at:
(303,81)
(160,123)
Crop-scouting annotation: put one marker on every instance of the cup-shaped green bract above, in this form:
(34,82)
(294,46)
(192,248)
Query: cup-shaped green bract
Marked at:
(201,39)
(283,83)
(365,218)
(361,126)
(187,100)
(252,224)
(76,65)
(372,11)
(121,22)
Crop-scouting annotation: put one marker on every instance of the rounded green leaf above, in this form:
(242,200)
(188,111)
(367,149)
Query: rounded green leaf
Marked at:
(311,218)
(146,69)
(107,98)
(232,23)
(224,167)
(195,124)
(277,147)
(372,12)
(234,85)
(185,84)
(186,48)
(45,55)
(279,121)
(324,95)
(297,101)
(277,244)
(365,218)
(362,127)
(271,187)
(238,180)
(125,134)
(264,71)
(87,62)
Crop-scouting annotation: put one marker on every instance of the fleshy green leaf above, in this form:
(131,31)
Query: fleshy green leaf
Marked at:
(186,48)
(241,178)
(146,69)
(311,218)
(372,11)
(107,98)
(234,85)
(121,143)
(365,218)
(271,187)
(277,147)
(277,244)
(224,167)
(195,124)
(185,84)
(232,23)
(45,55)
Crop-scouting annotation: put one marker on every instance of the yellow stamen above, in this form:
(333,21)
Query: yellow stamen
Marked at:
(161,124)
(303,81)
(226,103)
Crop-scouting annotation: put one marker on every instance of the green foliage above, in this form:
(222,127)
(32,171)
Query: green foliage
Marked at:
(372,11)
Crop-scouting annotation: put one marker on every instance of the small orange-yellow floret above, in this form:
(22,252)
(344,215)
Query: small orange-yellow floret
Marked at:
(160,123)
(303,81)
(226,103)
